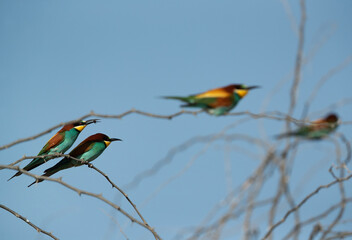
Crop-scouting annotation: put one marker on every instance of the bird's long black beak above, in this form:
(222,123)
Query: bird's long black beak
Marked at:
(252,87)
(115,139)
(92,121)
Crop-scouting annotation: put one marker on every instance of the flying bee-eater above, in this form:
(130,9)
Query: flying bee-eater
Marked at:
(218,101)
(88,150)
(318,129)
(59,143)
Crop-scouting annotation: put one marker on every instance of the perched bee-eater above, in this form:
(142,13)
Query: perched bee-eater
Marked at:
(59,143)
(317,130)
(218,101)
(88,150)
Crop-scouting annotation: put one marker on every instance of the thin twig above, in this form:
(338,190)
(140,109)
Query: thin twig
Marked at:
(119,189)
(302,202)
(28,222)
(342,194)
(90,165)
(340,235)
(322,81)
(299,57)
(237,194)
(317,217)
(80,192)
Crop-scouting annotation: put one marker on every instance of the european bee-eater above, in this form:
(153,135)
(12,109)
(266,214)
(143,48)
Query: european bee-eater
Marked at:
(317,130)
(88,150)
(216,101)
(59,143)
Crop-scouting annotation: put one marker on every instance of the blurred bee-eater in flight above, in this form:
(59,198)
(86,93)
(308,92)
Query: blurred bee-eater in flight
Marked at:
(88,150)
(318,129)
(218,101)
(59,143)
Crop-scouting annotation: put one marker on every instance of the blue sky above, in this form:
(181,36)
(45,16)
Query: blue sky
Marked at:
(61,59)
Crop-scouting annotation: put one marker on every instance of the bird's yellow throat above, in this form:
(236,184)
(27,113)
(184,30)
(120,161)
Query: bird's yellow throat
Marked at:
(80,128)
(241,92)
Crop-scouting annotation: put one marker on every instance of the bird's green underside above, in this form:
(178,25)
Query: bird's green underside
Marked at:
(97,149)
(316,134)
(68,140)
(307,132)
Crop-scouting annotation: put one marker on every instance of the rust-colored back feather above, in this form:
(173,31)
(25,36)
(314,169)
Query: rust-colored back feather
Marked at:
(86,145)
(81,148)
(57,138)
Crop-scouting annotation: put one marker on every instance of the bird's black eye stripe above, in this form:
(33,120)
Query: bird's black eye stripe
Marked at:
(79,123)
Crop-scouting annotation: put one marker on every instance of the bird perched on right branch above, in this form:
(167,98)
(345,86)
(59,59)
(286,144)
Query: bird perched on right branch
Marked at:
(218,101)
(318,129)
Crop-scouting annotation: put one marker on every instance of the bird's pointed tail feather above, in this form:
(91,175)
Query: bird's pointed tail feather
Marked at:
(47,173)
(284,135)
(40,180)
(63,164)
(36,181)
(184,99)
(16,175)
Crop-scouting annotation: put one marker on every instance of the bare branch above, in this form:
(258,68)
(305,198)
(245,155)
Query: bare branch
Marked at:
(317,217)
(302,202)
(290,16)
(339,235)
(299,57)
(80,192)
(90,165)
(323,80)
(115,186)
(28,222)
